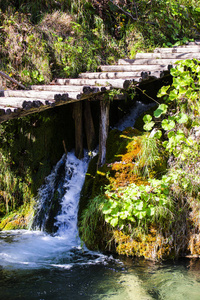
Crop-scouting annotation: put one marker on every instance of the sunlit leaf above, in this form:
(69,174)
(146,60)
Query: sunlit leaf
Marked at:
(162,109)
(163,91)
(168,124)
(147,118)
(149,126)
(183,118)
(114,222)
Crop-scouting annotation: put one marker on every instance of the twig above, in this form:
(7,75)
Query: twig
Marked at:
(146,94)
(13,80)
(129,14)
(135,9)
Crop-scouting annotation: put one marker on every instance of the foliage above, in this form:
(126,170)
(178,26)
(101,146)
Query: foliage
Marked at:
(152,201)
(20,218)
(143,245)
(178,119)
(59,45)
(139,205)
(177,124)
(41,40)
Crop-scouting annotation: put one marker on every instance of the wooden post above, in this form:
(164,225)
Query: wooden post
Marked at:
(103,131)
(77,115)
(89,126)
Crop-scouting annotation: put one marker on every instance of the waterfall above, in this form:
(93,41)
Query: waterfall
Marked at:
(58,198)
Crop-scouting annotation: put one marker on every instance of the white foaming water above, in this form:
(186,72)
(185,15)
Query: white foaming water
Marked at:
(67,218)
(36,249)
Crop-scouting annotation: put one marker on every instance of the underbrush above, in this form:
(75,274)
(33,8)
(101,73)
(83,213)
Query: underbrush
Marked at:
(152,201)
(41,40)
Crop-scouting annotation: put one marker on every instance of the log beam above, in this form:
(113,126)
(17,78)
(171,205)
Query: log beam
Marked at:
(78,119)
(89,126)
(103,130)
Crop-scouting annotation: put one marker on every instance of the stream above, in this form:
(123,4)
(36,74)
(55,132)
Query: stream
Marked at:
(37,265)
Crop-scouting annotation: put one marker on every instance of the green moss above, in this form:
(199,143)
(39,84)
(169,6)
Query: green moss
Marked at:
(116,145)
(18,219)
(93,230)
(93,184)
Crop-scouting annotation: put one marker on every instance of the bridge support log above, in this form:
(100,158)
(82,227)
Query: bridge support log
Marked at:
(78,119)
(103,131)
(89,126)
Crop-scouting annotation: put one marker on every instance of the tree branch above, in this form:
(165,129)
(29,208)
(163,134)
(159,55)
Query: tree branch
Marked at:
(129,14)
(12,80)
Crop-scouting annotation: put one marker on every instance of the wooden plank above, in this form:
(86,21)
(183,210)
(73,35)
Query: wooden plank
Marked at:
(128,75)
(3,109)
(89,126)
(168,55)
(16,102)
(60,88)
(196,42)
(132,68)
(46,95)
(110,75)
(115,83)
(160,61)
(195,49)
(189,45)
(8,112)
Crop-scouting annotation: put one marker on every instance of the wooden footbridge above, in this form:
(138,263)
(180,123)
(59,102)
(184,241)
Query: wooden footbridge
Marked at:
(144,68)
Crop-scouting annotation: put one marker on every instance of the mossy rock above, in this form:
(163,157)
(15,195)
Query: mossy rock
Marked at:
(94,182)
(19,219)
(115,145)
(93,229)
(117,142)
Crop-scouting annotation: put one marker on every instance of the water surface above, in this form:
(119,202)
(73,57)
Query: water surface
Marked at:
(34,265)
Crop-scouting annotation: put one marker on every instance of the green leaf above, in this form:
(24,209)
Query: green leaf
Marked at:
(173,95)
(123,215)
(165,143)
(148,126)
(131,218)
(174,72)
(171,134)
(163,91)
(150,211)
(156,134)
(183,118)
(139,206)
(168,124)
(141,214)
(147,118)
(106,211)
(114,222)
(162,109)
